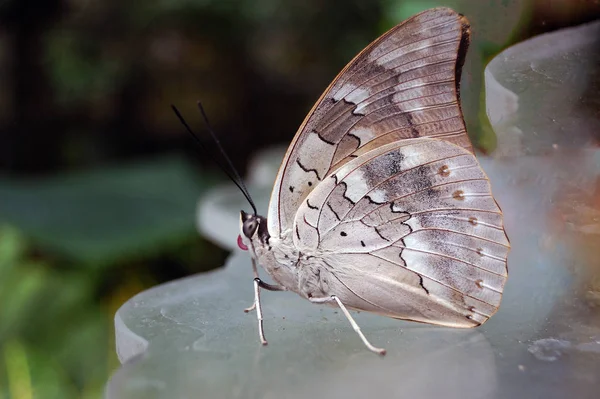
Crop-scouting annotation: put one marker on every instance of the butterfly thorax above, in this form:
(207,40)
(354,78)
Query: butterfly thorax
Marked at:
(276,254)
(303,272)
(306,272)
(279,258)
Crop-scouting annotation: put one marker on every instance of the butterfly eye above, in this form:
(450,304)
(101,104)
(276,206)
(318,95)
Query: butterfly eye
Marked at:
(241,244)
(249,228)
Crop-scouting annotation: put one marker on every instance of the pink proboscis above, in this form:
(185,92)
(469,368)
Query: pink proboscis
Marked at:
(241,243)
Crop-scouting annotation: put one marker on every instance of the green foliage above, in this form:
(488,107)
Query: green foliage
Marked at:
(107,215)
(79,70)
(53,337)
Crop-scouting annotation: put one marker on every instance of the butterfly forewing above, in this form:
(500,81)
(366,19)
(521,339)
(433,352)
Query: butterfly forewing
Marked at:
(404,85)
(412,229)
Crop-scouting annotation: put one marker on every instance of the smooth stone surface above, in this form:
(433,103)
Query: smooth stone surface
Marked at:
(544,93)
(190,339)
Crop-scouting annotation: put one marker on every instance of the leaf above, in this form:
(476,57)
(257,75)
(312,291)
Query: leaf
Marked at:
(54,336)
(27,373)
(105,215)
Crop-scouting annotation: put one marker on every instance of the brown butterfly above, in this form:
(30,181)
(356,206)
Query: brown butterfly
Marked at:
(380,204)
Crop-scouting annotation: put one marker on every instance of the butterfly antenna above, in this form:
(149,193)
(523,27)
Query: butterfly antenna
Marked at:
(234,175)
(224,154)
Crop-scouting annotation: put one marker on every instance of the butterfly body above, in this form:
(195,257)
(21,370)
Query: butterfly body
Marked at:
(380,204)
(279,258)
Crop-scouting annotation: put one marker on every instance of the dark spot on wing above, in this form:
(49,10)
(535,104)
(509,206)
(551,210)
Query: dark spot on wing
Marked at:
(357,139)
(334,212)
(421,284)
(413,130)
(321,137)
(374,202)
(421,180)
(311,206)
(410,230)
(377,231)
(465,40)
(444,171)
(344,195)
(307,170)
(459,195)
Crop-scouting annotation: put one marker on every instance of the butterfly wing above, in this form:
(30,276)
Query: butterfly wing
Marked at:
(409,230)
(403,85)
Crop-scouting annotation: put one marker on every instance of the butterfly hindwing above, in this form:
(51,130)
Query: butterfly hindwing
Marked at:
(411,228)
(404,85)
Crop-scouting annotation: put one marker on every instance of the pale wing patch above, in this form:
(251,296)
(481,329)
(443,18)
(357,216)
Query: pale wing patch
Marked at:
(357,96)
(469,221)
(462,247)
(364,133)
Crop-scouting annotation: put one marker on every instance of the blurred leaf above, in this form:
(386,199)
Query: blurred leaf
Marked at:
(25,373)
(55,338)
(103,216)
(17,370)
(18,296)
(12,246)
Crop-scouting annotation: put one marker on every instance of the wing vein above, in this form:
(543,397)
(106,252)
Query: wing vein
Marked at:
(398,73)
(452,258)
(439,282)
(350,75)
(464,234)
(342,114)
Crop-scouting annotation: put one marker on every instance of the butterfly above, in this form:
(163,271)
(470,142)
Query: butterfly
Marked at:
(380,204)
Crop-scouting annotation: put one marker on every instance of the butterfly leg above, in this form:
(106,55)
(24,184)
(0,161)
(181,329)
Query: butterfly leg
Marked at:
(261,331)
(355,326)
(258,284)
(255,270)
(262,284)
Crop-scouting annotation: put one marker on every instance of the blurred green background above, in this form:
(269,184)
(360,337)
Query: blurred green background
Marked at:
(98,180)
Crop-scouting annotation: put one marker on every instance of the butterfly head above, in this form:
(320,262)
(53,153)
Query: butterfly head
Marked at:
(254,231)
